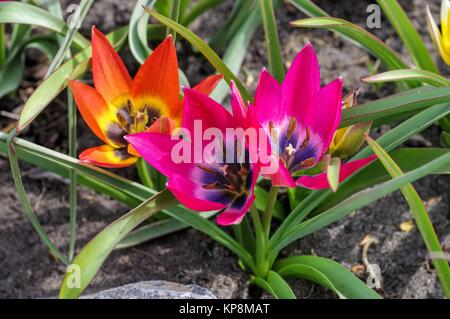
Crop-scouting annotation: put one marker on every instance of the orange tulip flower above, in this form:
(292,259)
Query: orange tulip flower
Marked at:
(119,105)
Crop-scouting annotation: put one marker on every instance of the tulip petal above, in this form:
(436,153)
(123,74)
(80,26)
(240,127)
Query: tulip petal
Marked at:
(156,148)
(437,37)
(268,99)
(237,106)
(157,84)
(191,194)
(110,75)
(200,107)
(282,178)
(209,84)
(107,156)
(323,114)
(240,206)
(92,107)
(302,82)
(232,216)
(320,181)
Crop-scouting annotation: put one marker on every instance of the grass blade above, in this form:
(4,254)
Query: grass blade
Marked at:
(420,215)
(408,74)
(408,34)
(327,273)
(209,54)
(93,255)
(272,40)
(29,212)
(367,40)
(399,105)
(22,13)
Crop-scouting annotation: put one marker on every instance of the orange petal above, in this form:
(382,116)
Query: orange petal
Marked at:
(110,75)
(209,84)
(156,84)
(107,156)
(91,105)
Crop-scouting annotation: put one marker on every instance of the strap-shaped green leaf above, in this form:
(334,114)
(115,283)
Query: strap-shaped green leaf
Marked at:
(408,74)
(408,34)
(207,52)
(89,260)
(420,215)
(367,40)
(275,285)
(402,104)
(22,13)
(327,273)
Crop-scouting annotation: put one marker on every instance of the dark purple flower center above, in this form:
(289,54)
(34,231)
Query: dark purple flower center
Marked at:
(296,144)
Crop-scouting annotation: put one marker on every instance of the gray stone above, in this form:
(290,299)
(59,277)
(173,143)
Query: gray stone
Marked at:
(157,289)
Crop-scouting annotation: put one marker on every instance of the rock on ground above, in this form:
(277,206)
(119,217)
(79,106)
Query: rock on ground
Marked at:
(156,289)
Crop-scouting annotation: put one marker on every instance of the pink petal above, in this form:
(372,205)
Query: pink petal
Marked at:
(156,149)
(282,178)
(190,194)
(234,216)
(237,105)
(268,99)
(302,82)
(323,114)
(198,106)
(320,181)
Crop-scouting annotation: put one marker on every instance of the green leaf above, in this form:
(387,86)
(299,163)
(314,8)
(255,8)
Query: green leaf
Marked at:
(199,7)
(309,8)
(236,51)
(419,213)
(137,39)
(212,230)
(79,16)
(407,158)
(89,260)
(327,273)
(276,65)
(58,80)
(367,40)
(237,17)
(22,13)
(389,141)
(358,201)
(399,104)
(275,285)
(408,34)
(155,230)
(333,168)
(261,203)
(408,74)
(209,54)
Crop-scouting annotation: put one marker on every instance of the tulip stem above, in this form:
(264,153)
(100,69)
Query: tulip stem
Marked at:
(261,260)
(144,173)
(267,219)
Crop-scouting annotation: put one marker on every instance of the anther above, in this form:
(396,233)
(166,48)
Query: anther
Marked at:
(308,162)
(306,141)
(291,128)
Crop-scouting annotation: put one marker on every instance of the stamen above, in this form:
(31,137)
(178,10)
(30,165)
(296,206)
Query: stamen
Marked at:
(291,128)
(214,185)
(206,169)
(308,162)
(273,131)
(306,141)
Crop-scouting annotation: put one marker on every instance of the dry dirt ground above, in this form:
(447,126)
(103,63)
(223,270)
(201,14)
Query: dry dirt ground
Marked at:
(27,270)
